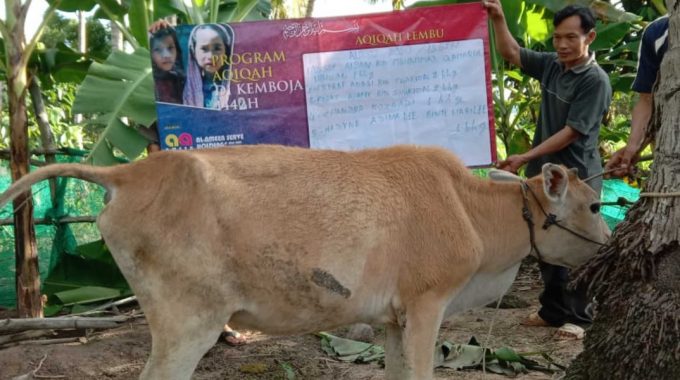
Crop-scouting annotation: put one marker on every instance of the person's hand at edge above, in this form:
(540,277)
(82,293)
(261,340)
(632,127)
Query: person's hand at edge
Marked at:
(512,163)
(494,8)
(158,25)
(622,163)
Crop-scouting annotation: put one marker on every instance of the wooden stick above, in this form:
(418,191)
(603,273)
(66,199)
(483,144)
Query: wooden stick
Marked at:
(252,356)
(66,219)
(39,342)
(60,323)
(24,335)
(101,308)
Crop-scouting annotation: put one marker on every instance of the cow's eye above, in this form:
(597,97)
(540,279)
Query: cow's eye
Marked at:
(595,208)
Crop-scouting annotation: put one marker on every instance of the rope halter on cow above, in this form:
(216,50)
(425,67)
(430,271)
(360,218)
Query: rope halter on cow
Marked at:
(550,219)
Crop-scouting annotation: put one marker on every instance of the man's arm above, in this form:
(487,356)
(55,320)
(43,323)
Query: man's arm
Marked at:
(642,113)
(555,143)
(623,160)
(505,43)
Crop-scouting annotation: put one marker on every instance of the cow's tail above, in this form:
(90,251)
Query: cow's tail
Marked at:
(96,174)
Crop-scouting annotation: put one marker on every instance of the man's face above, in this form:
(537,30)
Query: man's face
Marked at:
(570,42)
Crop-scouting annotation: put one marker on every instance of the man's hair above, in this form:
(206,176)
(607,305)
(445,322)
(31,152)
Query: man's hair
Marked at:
(584,13)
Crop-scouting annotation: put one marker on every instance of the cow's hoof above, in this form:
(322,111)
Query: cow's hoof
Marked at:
(361,332)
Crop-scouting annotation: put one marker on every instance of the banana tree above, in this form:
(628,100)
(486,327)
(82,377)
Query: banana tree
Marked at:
(125,79)
(17,54)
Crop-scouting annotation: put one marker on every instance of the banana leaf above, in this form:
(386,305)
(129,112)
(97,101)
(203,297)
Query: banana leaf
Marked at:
(121,87)
(610,34)
(606,10)
(503,361)
(348,350)
(83,279)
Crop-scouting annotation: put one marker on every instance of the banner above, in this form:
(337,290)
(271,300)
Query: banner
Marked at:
(420,76)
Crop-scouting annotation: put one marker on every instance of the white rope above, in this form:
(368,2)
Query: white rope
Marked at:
(660,195)
(488,334)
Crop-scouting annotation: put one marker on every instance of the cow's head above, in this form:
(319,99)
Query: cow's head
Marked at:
(571,230)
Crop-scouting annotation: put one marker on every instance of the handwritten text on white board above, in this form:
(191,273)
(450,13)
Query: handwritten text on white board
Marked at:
(426,94)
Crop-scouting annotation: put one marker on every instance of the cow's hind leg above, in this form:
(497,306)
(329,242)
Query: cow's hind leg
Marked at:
(177,346)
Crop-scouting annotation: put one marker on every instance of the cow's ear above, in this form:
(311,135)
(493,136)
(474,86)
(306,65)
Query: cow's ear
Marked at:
(555,182)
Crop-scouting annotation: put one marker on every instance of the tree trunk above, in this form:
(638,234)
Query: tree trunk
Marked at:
(46,136)
(27,275)
(310,8)
(635,279)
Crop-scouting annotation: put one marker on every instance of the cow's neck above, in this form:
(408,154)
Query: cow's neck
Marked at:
(498,219)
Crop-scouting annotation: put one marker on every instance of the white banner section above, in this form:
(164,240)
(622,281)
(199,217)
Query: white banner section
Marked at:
(426,94)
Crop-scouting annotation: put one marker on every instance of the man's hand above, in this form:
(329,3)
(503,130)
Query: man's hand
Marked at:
(494,8)
(622,162)
(512,163)
(158,25)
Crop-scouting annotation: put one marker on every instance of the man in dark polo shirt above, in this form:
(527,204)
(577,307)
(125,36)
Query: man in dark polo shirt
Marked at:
(575,96)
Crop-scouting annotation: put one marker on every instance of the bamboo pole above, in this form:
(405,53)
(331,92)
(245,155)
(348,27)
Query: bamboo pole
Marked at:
(23,324)
(66,219)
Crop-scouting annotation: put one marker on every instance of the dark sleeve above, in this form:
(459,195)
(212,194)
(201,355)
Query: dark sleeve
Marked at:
(648,63)
(591,103)
(534,63)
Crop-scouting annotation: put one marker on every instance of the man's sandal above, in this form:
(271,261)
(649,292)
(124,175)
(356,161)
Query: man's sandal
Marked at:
(570,331)
(534,320)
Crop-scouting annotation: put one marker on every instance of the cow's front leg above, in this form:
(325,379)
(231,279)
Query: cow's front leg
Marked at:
(395,362)
(419,336)
(177,345)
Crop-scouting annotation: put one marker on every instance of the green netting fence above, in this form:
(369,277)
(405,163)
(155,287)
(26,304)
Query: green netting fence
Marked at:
(612,189)
(54,241)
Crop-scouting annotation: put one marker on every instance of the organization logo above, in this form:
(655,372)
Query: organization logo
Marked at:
(184,140)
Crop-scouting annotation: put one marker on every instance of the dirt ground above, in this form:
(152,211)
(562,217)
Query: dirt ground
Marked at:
(120,353)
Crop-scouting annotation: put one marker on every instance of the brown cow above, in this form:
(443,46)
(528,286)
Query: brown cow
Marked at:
(290,240)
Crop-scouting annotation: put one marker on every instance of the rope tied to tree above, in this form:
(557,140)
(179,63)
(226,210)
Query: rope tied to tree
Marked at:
(621,201)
